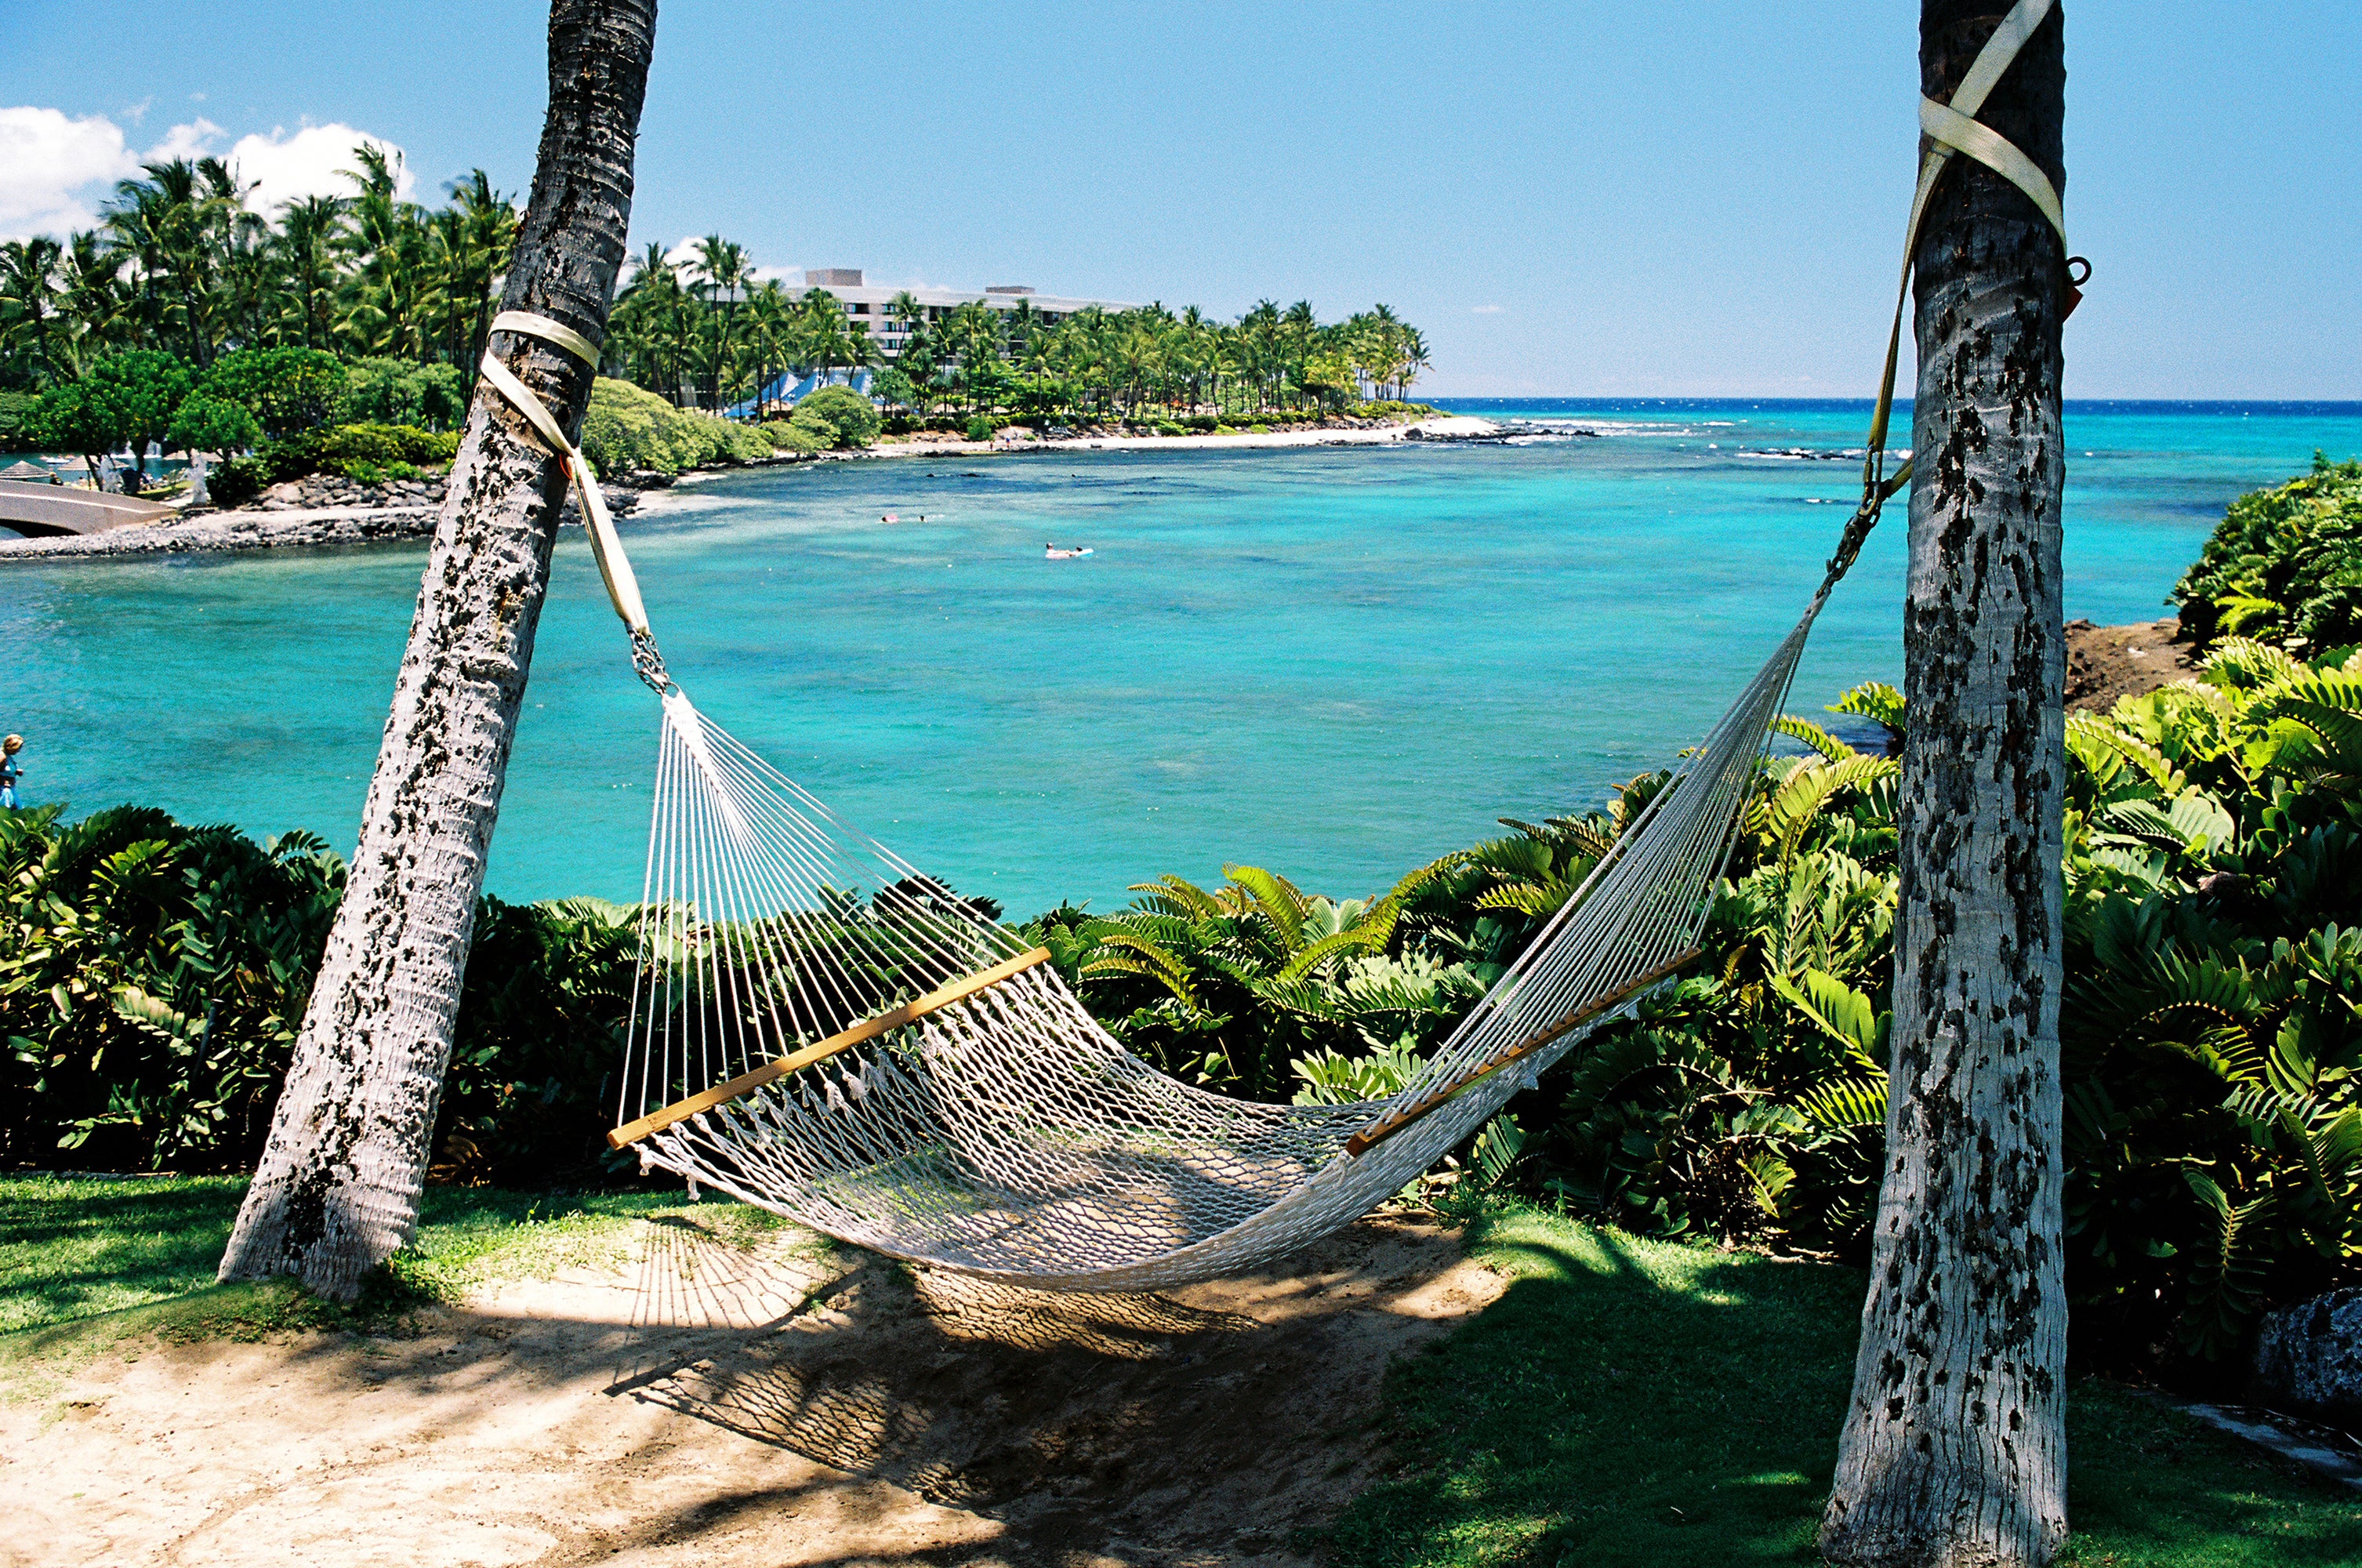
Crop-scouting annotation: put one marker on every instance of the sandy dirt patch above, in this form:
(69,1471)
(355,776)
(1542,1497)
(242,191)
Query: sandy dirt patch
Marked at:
(793,1405)
(2104,663)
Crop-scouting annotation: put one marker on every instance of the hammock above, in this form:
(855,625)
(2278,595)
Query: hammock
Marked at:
(821,1030)
(882,1063)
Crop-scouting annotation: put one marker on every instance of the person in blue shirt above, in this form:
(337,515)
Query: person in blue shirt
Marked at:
(10,772)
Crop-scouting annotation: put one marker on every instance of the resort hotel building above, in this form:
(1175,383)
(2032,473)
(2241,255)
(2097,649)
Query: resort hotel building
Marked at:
(868,311)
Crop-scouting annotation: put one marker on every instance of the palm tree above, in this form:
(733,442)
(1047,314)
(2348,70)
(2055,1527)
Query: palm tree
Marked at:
(94,296)
(1954,1443)
(904,315)
(1297,328)
(771,332)
(477,234)
(338,1187)
(384,295)
(722,269)
(32,288)
(651,329)
(309,230)
(1414,360)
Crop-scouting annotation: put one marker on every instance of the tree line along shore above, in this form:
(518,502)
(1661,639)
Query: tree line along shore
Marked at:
(340,335)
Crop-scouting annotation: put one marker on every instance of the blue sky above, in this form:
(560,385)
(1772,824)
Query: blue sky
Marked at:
(1694,199)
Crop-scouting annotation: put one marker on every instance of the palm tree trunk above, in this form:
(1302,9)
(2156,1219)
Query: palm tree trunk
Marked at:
(1954,1446)
(337,1188)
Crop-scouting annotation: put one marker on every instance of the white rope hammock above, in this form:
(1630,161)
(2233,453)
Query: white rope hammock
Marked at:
(821,1030)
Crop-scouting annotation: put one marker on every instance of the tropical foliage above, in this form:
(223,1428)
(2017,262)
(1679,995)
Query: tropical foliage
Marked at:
(152,977)
(2284,566)
(181,264)
(2213,1020)
(189,320)
(627,430)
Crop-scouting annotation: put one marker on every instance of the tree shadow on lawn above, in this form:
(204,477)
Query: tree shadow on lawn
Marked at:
(70,1249)
(74,1249)
(1641,1402)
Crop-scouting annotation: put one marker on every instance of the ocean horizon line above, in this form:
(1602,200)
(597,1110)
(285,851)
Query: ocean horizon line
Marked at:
(2293,405)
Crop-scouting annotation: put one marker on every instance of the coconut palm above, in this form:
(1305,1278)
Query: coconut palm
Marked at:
(384,297)
(338,1187)
(476,236)
(1953,1447)
(32,292)
(309,227)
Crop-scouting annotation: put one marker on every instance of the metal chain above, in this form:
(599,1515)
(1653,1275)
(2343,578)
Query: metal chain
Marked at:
(648,663)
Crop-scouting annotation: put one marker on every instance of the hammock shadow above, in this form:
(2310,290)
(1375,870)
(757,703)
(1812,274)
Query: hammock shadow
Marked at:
(976,1394)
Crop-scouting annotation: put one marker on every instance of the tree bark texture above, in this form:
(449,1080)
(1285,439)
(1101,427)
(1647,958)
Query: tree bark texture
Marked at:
(337,1188)
(1954,1446)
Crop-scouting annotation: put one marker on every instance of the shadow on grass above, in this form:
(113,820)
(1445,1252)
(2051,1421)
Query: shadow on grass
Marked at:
(72,1249)
(1636,1402)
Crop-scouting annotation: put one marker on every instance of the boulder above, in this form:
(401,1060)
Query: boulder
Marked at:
(2308,1358)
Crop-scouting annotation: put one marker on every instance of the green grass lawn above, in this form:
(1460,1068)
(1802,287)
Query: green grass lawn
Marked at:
(1648,1403)
(78,1250)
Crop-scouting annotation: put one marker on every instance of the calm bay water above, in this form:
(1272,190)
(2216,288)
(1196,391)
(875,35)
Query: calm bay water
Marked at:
(1333,662)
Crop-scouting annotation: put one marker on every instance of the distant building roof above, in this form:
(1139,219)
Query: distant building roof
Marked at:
(1007,289)
(831,277)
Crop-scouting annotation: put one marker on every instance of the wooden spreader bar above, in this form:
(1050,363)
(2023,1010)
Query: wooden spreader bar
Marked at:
(867,1029)
(1378,1132)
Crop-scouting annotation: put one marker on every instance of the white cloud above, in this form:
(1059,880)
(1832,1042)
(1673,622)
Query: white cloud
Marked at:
(1486,310)
(284,167)
(55,170)
(47,165)
(193,140)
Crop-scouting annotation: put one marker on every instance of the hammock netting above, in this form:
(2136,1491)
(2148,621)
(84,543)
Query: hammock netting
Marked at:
(957,1106)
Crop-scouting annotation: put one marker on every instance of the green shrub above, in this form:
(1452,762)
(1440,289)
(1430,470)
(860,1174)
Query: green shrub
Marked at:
(238,481)
(153,974)
(849,418)
(152,979)
(365,472)
(980,428)
(802,440)
(402,392)
(2284,565)
(355,451)
(627,428)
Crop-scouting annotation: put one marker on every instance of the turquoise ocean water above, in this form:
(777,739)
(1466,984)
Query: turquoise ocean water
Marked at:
(1333,662)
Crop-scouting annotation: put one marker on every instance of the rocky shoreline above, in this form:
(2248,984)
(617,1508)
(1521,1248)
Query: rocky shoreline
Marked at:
(321,510)
(328,509)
